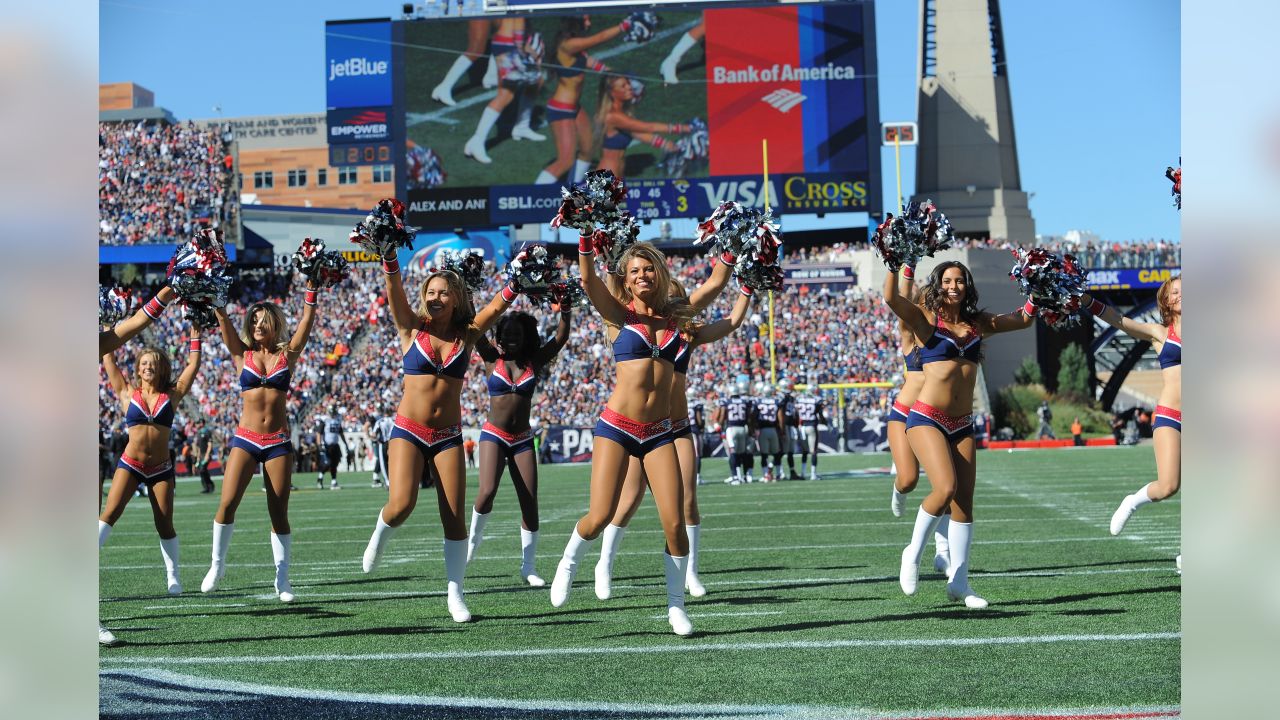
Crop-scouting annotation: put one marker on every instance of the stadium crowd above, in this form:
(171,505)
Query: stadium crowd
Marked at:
(1140,254)
(158,183)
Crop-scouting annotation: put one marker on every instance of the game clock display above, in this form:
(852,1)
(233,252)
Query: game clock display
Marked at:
(360,154)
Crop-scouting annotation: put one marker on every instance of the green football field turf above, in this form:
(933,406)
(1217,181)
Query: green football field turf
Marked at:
(803,616)
(430,48)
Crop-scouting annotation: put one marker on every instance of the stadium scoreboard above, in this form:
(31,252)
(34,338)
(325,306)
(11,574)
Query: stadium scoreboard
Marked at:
(720,77)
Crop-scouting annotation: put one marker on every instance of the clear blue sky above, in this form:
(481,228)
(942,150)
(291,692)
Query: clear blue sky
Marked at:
(1095,86)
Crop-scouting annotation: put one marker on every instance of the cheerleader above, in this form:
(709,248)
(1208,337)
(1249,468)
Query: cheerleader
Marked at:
(642,323)
(264,360)
(506,441)
(148,417)
(1167,428)
(426,441)
(507,45)
(477,38)
(570,126)
(616,126)
(686,450)
(906,467)
(948,327)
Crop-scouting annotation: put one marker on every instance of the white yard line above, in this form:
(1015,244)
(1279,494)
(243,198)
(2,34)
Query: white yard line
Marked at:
(476,654)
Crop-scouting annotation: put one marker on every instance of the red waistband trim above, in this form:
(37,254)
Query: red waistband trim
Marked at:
(507,437)
(275,438)
(901,408)
(678,425)
(638,430)
(952,424)
(428,435)
(147,470)
(560,105)
(1169,412)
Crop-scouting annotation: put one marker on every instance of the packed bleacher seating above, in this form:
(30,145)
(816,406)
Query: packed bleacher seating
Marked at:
(159,183)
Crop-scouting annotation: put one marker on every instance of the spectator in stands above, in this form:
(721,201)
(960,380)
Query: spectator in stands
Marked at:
(160,182)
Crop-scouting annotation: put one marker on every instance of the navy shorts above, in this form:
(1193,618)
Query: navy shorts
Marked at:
(514,443)
(145,474)
(560,111)
(638,439)
(429,441)
(899,412)
(954,428)
(1167,417)
(262,447)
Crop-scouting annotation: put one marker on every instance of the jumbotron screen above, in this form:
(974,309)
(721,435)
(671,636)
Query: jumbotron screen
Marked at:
(496,113)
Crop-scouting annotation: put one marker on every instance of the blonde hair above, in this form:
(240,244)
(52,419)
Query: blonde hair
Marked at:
(1162,300)
(677,308)
(463,312)
(275,318)
(164,368)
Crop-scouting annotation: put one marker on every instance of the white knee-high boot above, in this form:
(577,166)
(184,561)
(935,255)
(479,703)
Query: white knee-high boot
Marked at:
(529,552)
(455,567)
(691,580)
(676,567)
(478,521)
(610,539)
(281,550)
(941,546)
(1128,506)
(444,91)
(382,532)
(573,554)
(169,551)
(909,572)
(104,532)
(958,589)
(221,541)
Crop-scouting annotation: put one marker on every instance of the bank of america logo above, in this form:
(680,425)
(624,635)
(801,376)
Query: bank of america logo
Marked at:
(783,100)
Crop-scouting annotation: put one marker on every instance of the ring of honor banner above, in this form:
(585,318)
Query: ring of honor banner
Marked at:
(492,146)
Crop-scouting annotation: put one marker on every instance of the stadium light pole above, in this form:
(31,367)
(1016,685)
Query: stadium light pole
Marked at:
(898,133)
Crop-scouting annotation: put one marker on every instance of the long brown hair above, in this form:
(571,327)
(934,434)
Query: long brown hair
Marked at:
(1167,315)
(463,312)
(164,368)
(673,307)
(275,318)
(969,311)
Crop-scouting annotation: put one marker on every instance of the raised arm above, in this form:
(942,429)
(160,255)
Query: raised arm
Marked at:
(722,328)
(402,314)
(115,378)
(1150,332)
(300,336)
(486,350)
(230,337)
(601,299)
(573,46)
(491,312)
(706,293)
(909,312)
(123,331)
(188,375)
(552,347)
